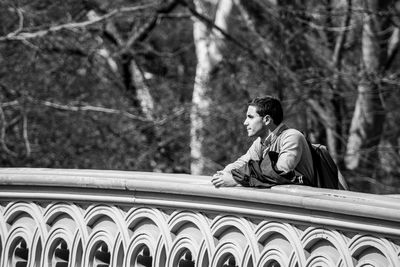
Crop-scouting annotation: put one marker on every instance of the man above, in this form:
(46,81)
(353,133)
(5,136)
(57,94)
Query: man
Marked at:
(289,148)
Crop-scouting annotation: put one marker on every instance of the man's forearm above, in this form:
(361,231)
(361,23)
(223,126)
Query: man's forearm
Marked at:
(252,153)
(238,164)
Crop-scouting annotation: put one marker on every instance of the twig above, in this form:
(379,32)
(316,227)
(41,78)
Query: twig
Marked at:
(25,134)
(3,134)
(20,21)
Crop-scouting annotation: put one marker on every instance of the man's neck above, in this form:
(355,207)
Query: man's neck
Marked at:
(269,131)
(272,129)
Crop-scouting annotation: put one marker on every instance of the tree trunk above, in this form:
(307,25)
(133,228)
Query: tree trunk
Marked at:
(369,115)
(208,43)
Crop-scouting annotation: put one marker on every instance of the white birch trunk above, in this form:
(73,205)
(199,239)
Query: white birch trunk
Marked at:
(208,44)
(368,118)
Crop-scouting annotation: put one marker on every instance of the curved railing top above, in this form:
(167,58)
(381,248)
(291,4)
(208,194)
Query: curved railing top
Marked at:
(341,209)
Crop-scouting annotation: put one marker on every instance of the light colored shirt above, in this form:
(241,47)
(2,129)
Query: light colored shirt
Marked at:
(291,146)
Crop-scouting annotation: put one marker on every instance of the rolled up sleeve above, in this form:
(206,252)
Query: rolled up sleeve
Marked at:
(254,153)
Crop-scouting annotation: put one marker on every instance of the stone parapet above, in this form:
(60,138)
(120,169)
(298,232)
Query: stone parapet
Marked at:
(96,218)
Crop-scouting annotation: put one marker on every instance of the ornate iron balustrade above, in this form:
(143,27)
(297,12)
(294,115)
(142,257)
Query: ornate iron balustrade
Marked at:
(66,218)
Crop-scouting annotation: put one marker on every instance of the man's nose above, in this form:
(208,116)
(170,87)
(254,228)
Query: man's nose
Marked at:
(245,122)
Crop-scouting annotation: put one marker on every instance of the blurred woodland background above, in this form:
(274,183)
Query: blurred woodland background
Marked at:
(163,85)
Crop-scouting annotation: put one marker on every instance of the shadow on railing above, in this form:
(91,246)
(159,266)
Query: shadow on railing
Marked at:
(66,218)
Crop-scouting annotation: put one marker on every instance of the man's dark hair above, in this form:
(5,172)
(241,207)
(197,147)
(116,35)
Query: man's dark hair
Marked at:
(268,105)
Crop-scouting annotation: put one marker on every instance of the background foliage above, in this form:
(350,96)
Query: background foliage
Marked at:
(70,99)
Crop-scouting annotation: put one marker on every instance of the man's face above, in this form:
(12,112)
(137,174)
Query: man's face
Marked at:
(254,123)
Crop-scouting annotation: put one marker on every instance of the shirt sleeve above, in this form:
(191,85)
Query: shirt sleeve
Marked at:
(290,152)
(253,153)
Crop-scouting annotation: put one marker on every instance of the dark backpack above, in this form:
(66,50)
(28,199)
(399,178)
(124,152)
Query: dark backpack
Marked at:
(326,173)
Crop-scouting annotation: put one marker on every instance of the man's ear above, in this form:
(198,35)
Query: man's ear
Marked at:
(266,119)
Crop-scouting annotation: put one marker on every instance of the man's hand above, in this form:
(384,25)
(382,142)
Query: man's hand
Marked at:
(223,179)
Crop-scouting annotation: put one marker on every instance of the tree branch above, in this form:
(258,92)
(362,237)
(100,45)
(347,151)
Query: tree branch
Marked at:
(393,49)
(244,47)
(20,36)
(321,111)
(251,23)
(92,108)
(337,53)
(142,90)
(9,104)
(74,108)
(143,32)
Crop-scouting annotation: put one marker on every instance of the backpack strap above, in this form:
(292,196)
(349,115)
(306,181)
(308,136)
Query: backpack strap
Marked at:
(316,181)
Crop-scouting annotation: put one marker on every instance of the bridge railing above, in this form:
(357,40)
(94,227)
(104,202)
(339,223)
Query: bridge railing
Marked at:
(96,218)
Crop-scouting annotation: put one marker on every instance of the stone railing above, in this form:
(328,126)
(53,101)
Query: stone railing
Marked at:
(107,218)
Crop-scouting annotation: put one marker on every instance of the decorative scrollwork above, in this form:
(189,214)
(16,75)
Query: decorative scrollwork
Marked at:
(102,256)
(21,253)
(144,259)
(231,262)
(187,260)
(61,254)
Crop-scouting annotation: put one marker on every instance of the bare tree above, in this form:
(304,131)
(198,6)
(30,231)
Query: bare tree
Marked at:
(209,43)
(369,114)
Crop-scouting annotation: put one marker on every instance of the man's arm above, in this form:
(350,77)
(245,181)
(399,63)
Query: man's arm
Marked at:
(290,152)
(224,178)
(254,152)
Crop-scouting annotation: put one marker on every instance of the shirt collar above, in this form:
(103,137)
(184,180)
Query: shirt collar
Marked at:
(272,136)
